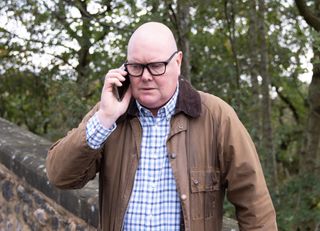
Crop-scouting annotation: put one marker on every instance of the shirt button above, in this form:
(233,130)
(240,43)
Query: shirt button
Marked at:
(173,155)
(195,181)
(183,197)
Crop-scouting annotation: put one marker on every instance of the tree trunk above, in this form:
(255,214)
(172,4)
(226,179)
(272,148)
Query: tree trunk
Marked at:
(313,126)
(181,22)
(267,140)
(255,114)
(83,54)
(229,11)
(311,159)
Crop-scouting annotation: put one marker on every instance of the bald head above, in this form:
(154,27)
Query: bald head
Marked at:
(152,37)
(152,47)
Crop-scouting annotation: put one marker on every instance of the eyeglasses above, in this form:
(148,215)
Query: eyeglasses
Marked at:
(154,68)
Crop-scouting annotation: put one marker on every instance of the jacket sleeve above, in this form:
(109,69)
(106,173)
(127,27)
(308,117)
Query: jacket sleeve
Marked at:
(243,175)
(70,162)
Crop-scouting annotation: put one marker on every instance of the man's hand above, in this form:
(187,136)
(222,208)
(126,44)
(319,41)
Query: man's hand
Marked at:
(110,108)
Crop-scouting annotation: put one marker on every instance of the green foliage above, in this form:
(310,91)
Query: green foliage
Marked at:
(298,204)
(23,99)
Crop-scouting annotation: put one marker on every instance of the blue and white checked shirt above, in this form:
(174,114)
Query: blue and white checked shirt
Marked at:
(154,203)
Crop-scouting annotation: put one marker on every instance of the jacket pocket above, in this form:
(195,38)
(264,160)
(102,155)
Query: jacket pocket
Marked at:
(205,186)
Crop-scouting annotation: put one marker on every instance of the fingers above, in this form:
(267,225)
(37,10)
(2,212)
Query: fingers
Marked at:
(110,107)
(114,77)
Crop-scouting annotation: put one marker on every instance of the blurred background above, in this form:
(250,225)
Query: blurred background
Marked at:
(261,56)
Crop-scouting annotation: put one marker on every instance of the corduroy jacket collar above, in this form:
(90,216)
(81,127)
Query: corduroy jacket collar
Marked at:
(188,102)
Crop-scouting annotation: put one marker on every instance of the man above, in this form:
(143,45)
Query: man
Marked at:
(166,153)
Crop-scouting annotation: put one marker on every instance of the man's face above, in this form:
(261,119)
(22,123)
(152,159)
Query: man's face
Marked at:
(155,91)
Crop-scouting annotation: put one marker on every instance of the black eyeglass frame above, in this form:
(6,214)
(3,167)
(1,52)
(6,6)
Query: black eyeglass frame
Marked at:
(147,66)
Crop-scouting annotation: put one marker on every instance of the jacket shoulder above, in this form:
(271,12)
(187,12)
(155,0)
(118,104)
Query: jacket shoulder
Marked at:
(216,107)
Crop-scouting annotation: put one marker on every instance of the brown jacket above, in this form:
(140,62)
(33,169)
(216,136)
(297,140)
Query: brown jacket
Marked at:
(210,153)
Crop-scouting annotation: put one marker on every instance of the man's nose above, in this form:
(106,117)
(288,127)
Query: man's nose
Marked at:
(146,75)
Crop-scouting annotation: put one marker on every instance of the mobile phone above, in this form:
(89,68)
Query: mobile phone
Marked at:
(125,85)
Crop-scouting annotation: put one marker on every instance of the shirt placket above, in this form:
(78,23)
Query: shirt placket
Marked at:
(158,163)
(148,195)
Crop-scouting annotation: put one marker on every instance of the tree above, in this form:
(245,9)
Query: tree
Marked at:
(312,150)
(181,20)
(254,70)
(65,45)
(267,131)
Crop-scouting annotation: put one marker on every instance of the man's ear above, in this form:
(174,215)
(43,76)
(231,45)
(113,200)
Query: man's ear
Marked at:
(179,58)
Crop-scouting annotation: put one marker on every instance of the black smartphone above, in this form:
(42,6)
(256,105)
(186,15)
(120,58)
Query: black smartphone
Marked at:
(125,85)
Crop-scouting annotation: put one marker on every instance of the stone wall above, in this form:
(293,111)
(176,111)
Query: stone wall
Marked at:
(24,208)
(29,202)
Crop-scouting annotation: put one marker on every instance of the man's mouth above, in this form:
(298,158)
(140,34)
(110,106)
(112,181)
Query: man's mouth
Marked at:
(147,88)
